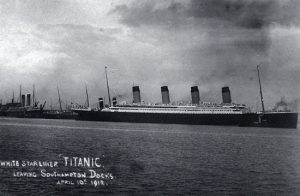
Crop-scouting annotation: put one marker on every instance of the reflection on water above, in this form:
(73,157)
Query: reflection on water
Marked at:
(155,159)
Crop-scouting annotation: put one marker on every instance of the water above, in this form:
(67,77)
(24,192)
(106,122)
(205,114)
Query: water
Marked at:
(154,159)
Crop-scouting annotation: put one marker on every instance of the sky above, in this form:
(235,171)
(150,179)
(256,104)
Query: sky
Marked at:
(150,43)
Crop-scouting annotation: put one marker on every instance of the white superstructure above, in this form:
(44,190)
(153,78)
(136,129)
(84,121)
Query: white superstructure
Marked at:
(189,109)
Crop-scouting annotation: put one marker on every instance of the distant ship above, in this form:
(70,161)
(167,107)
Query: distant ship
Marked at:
(197,113)
(59,114)
(27,107)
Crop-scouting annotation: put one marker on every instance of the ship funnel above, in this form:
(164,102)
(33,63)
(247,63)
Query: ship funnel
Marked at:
(195,95)
(114,101)
(101,103)
(28,100)
(136,94)
(226,95)
(23,100)
(165,95)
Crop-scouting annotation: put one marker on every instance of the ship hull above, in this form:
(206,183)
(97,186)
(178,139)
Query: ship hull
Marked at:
(15,113)
(278,120)
(59,115)
(36,113)
(271,119)
(23,113)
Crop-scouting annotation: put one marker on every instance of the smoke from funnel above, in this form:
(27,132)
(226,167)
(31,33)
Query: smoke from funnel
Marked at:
(284,105)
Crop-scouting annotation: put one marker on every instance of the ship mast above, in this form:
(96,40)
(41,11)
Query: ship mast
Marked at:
(107,86)
(87,97)
(59,99)
(261,95)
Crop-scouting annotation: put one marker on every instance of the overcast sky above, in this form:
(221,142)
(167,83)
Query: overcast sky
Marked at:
(209,43)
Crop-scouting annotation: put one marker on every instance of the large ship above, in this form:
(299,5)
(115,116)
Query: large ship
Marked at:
(27,107)
(198,113)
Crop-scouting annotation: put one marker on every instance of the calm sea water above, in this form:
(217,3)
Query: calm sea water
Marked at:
(154,159)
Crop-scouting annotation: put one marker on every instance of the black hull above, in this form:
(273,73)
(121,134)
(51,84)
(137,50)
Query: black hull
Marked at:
(25,114)
(196,119)
(278,120)
(273,119)
(17,114)
(21,113)
(59,116)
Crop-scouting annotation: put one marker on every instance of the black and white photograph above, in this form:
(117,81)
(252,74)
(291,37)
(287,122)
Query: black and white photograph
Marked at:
(149,97)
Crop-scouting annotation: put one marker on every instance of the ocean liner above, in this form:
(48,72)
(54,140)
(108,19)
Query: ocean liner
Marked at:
(27,107)
(199,113)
